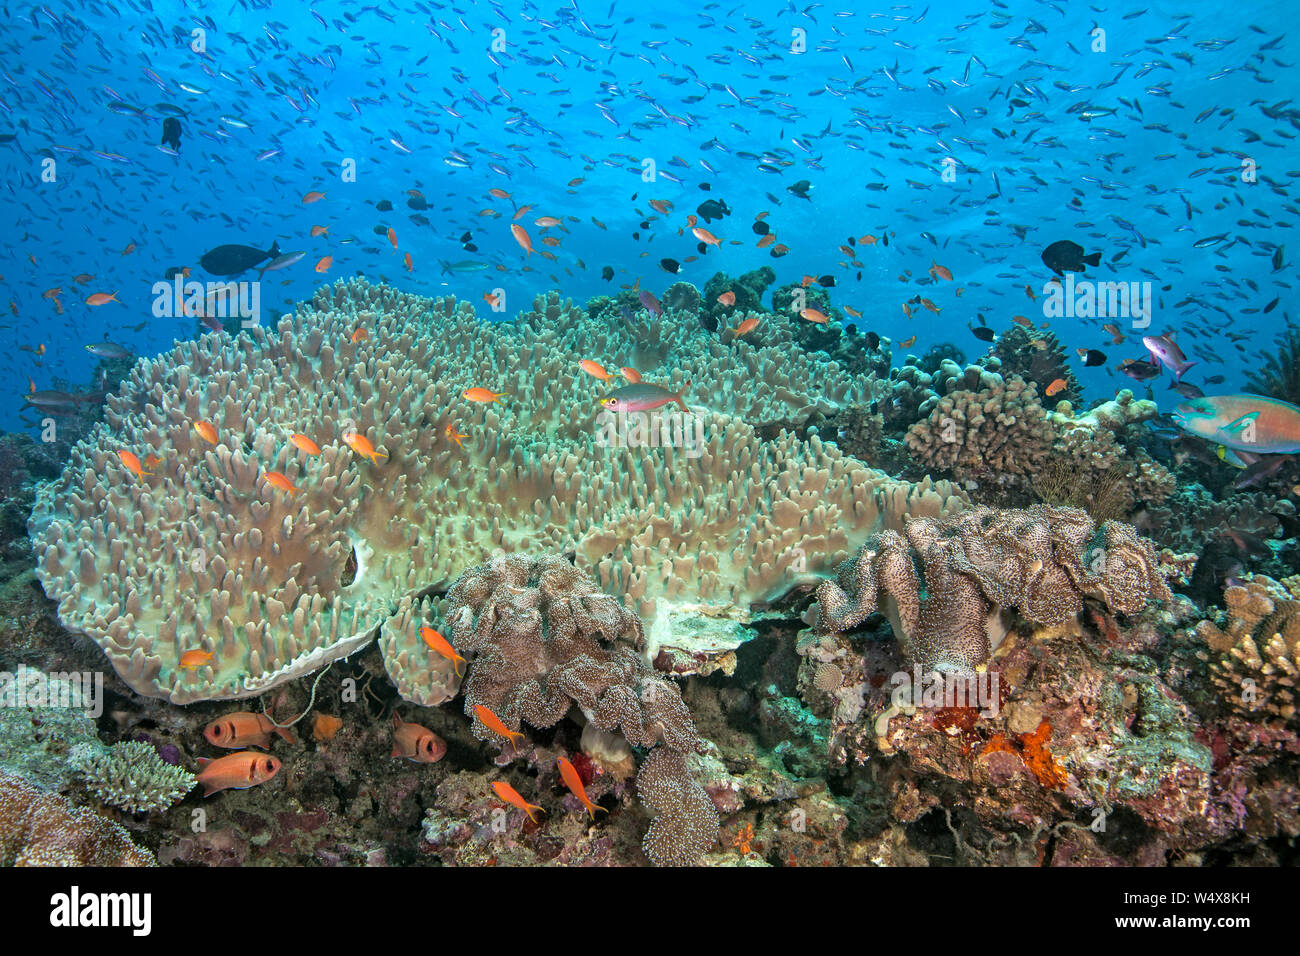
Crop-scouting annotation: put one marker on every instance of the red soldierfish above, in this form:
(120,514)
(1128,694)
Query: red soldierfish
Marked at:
(1264,426)
(1165,350)
(237,771)
(642,397)
(237,731)
(416,743)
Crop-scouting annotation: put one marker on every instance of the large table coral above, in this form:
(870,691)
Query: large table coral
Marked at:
(1042,561)
(275,559)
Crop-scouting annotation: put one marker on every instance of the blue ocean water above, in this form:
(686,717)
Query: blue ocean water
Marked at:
(1160,136)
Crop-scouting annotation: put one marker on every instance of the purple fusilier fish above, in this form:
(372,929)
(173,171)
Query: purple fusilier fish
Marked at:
(642,397)
(1253,423)
(650,302)
(1165,350)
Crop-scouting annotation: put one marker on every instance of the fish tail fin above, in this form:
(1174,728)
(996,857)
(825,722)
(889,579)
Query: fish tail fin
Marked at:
(1093,260)
(446,266)
(512,734)
(1183,371)
(678,396)
(285,733)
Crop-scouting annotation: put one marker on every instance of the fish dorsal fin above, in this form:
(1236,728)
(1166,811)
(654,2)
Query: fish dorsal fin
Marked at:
(1242,422)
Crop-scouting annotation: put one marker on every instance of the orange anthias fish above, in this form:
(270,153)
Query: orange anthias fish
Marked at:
(416,743)
(359,334)
(595,369)
(392,237)
(631,374)
(493,723)
(706,237)
(194,658)
(436,642)
(661,206)
(450,432)
(727,298)
(907,344)
(237,771)
(361,445)
(206,431)
(237,731)
(324,264)
(491,298)
(152,461)
(499,193)
(749,325)
(132,464)
(511,796)
(546,222)
(521,237)
(317,231)
(303,443)
(312,197)
(103,298)
(931,306)
(280,481)
(408,262)
(477,394)
(569,774)
(940,272)
(815,315)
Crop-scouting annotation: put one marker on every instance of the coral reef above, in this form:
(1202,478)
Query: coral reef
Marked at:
(1037,356)
(544,639)
(132,776)
(43,719)
(208,556)
(1042,561)
(1255,645)
(992,434)
(44,829)
(1278,376)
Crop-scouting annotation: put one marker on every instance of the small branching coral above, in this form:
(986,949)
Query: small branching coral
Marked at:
(1042,561)
(132,777)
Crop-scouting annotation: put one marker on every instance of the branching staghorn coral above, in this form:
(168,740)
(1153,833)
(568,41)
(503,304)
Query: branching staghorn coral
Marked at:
(542,639)
(203,554)
(1042,561)
(1255,647)
(132,777)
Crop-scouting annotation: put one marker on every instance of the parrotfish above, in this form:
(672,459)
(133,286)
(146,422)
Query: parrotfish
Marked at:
(1165,350)
(1253,423)
(642,397)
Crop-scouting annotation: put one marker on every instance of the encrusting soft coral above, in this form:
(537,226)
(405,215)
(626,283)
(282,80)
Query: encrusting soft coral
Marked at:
(1042,561)
(541,640)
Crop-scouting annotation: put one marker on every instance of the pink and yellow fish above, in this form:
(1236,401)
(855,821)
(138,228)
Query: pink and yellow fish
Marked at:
(1252,423)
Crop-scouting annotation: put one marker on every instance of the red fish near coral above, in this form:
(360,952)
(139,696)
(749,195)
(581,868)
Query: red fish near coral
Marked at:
(237,771)
(416,743)
(436,642)
(511,796)
(237,731)
(569,774)
(493,723)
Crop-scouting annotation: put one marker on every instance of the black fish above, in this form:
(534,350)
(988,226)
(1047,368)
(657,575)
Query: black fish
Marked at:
(826,282)
(702,247)
(983,333)
(1066,256)
(470,247)
(233,259)
(416,202)
(171,133)
(712,209)
(384,205)
(607,273)
(173,272)
(1215,380)
(670,265)
(466,238)
(1092,357)
(645,224)
(800,188)
(706,187)
(873,341)
(761,228)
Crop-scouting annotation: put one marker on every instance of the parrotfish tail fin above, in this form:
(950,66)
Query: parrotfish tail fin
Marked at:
(681,401)
(1183,371)
(1093,260)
